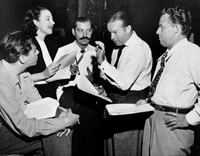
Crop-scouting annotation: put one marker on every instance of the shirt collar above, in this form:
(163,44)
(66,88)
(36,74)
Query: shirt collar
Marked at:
(11,73)
(79,49)
(175,48)
(14,78)
(132,40)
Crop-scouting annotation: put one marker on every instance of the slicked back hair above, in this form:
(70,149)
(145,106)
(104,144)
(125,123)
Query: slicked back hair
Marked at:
(82,20)
(124,16)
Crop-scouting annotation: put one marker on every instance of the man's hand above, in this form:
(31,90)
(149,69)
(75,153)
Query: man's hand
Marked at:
(51,70)
(71,119)
(101,91)
(63,114)
(141,102)
(65,132)
(74,69)
(100,52)
(176,121)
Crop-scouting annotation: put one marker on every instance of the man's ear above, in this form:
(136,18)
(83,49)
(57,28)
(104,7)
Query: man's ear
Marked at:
(178,28)
(22,59)
(128,28)
(73,31)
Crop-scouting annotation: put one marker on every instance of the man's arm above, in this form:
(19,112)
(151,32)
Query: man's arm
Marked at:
(12,113)
(126,76)
(193,117)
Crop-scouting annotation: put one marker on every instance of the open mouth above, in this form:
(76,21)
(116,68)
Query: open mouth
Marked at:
(51,27)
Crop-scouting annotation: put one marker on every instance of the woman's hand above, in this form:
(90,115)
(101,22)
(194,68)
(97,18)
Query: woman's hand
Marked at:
(51,70)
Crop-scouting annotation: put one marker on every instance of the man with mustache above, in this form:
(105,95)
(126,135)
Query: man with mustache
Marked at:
(85,135)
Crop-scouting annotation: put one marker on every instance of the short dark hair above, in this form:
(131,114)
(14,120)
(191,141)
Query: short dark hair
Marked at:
(82,20)
(179,15)
(124,16)
(32,14)
(15,44)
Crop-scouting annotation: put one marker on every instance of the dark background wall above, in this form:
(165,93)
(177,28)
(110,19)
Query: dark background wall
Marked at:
(145,12)
(146,16)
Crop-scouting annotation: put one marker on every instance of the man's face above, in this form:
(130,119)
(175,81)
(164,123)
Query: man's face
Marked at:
(119,33)
(31,58)
(166,31)
(82,33)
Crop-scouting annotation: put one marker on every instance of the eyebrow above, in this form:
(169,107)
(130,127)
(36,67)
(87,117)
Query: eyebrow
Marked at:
(84,29)
(48,16)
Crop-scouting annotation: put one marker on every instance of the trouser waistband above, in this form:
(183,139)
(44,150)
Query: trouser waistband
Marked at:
(171,109)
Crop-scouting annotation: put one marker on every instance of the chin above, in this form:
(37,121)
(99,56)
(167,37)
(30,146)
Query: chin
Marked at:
(50,32)
(84,44)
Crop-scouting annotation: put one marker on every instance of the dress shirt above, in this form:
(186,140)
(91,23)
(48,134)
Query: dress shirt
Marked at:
(46,56)
(15,94)
(134,66)
(180,80)
(85,62)
(45,52)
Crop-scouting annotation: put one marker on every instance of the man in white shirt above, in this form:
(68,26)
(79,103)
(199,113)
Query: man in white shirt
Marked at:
(85,137)
(168,131)
(128,77)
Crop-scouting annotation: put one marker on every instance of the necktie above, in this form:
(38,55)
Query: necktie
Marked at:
(154,83)
(81,57)
(119,54)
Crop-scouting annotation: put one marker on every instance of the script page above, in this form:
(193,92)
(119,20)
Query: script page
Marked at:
(64,70)
(85,85)
(127,108)
(41,109)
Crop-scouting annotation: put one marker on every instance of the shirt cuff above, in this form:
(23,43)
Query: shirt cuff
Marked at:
(104,65)
(193,118)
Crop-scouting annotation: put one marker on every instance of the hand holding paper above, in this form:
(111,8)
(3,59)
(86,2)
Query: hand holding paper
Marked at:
(127,108)
(85,85)
(74,69)
(64,70)
(51,70)
(66,60)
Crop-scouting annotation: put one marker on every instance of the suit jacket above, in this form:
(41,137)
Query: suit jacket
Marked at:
(49,89)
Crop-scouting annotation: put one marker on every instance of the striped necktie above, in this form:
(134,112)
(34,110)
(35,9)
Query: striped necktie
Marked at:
(81,57)
(154,83)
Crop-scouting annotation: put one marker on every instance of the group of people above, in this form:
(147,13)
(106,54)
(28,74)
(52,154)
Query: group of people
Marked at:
(27,62)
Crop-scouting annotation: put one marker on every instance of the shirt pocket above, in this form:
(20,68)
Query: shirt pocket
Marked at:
(169,84)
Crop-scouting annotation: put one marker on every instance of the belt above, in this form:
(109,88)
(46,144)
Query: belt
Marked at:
(171,109)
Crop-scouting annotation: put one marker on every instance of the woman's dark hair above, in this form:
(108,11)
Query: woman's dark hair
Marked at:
(179,15)
(15,44)
(28,24)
